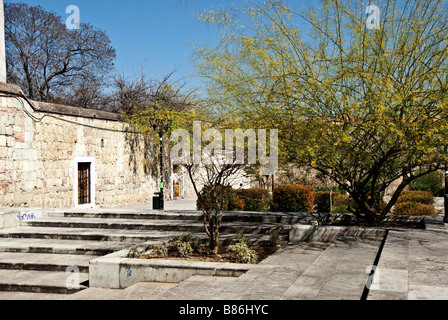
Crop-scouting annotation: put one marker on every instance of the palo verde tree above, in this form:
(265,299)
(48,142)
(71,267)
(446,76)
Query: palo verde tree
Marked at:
(364,104)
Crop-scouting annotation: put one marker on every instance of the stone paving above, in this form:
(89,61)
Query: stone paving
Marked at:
(413,266)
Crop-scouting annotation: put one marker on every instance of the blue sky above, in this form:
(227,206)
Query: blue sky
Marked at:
(156,34)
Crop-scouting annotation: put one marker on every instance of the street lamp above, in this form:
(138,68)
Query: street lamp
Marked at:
(445,219)
(160,126)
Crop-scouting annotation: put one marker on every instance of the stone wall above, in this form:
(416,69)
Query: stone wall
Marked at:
(41,145)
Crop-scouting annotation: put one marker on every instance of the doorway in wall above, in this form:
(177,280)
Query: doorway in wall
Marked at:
(84,183)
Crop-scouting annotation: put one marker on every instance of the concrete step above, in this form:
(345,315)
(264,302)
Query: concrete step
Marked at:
(30,296)
(86,234)
(139,291)
(41,281)
(156,225)
(266,217)
(340,271)
(200,287)
(43,262)
(129,237)
(74,247)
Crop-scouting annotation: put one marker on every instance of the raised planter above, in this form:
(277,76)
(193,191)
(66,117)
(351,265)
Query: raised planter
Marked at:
(313,230)
(115,271)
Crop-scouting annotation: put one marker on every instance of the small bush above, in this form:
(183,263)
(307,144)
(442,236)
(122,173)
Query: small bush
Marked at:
(134,253)
(293,198)
(342,208)
(410,208)
(341,200)
(255,199)
(423,197)
(432,182)
(241,251)
(230,198)
(160,250)
(322,201)
(185,245)
(274,239)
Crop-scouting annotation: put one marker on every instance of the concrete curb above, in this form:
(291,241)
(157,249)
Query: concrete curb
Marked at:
(115,271)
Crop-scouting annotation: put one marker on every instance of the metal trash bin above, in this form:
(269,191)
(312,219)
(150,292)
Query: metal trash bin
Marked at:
(157,202)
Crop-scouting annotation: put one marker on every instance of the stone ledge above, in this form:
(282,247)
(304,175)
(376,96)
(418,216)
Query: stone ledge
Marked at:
(114,271)
(12,217)
(60,109)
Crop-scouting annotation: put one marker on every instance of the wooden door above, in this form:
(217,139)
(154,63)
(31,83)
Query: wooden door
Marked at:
(84,183)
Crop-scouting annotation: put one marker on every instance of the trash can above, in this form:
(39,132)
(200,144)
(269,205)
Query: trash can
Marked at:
(156,205)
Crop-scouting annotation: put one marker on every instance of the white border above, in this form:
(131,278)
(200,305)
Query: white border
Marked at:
(78,160)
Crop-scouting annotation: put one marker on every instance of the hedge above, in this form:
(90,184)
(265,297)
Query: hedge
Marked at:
(232,202)
(415,203)
(322,200)
(432,182)
(255,199)
(424,197)
(293,198)
(414,209)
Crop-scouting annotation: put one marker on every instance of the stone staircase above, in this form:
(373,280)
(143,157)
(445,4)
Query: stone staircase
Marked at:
(35,258)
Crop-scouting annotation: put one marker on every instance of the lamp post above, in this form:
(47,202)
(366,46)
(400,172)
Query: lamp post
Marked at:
(445,198)
(160,126)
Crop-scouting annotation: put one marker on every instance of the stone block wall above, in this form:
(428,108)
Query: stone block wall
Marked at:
(41,145)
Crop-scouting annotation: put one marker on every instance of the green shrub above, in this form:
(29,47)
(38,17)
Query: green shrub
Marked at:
(134,253)
(424,197)
(185,245)
(341,200)
(432,182)
(255,199)
(160,250)
(322,201)
(274,239)
(230,198)
(293,198)
(327,188)
(241,251)
(342,208)
(410,208)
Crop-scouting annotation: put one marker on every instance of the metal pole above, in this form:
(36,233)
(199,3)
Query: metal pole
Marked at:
(445,219)
(161,199)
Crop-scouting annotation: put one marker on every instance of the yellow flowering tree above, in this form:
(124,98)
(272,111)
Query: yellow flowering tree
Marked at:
(362,103)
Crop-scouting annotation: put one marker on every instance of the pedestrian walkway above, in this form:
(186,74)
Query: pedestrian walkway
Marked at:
(412,265)
(188,204)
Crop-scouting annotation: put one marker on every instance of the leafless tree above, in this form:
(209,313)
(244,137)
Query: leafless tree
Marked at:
(212,181)
(49,61)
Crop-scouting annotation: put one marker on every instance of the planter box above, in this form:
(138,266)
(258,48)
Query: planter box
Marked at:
(114,271)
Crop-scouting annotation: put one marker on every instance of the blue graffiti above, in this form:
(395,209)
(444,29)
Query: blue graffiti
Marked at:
(129,272)
(26,216)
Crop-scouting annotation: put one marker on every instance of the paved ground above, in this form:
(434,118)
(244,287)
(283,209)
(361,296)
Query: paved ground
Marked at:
(413,266)
(182,204)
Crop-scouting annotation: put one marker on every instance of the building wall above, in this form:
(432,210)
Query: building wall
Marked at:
(41,145)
